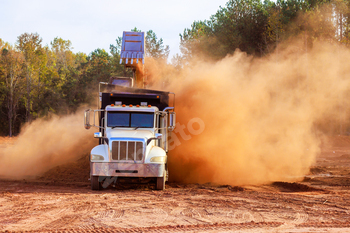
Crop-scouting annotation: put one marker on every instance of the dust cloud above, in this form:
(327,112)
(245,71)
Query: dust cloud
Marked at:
(45,144)
(264,117)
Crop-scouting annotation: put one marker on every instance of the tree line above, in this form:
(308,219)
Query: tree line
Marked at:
(257,27)
(36,80)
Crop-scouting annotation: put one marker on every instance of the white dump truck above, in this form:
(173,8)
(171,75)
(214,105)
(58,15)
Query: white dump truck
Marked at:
(134,128)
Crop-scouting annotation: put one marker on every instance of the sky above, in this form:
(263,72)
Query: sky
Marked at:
(96,24)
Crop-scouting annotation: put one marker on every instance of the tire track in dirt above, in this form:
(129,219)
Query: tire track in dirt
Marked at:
(241,216)
(196,215)
(92,223)
(287,211)
(62,222)
(6,216)
(64,212)
(104,218)
(178,228)
(111,214)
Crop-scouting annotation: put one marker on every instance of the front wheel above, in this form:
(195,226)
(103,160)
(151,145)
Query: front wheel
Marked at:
(95,184)
(160,185)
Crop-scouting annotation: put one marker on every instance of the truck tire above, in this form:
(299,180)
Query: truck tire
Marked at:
(95,184)
(160,185)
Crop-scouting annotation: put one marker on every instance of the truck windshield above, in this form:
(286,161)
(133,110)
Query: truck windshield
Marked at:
(130,119)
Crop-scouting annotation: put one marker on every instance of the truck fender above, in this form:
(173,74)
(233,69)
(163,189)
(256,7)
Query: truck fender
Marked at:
(100,150)
(156,152)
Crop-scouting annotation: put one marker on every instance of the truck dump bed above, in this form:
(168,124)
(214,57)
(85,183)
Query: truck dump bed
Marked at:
(135,96)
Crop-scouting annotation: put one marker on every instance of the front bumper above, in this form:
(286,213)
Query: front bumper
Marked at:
(127,169)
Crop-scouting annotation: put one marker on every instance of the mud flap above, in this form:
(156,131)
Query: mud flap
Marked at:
(160,185)
(95,184)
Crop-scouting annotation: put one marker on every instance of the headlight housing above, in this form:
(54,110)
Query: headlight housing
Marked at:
(159,159)
(96,157)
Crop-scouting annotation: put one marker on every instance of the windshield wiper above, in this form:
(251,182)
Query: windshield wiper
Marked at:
(137,127)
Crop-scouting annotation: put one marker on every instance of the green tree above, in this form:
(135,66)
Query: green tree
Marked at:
(196,39)
(117,68)
(99,65)
(12,63)
(62,50)
(3,44)
(30,46)
(155,47)
(241,24)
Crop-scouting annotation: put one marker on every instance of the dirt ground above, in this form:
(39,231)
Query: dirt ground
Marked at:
(61,200)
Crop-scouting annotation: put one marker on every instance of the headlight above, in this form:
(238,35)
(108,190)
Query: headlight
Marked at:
(97,157)
(161,159)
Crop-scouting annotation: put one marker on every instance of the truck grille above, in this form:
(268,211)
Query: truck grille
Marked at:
(127,150)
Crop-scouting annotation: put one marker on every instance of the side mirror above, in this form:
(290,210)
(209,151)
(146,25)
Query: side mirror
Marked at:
(98,135)
(172,121)
(87,119)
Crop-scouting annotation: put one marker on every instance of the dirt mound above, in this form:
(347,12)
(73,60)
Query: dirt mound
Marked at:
(294,187)
(78,171)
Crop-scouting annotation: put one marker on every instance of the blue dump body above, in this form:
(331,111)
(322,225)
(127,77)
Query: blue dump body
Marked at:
(133,48)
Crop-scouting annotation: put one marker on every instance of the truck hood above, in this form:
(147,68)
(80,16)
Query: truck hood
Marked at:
(130,134)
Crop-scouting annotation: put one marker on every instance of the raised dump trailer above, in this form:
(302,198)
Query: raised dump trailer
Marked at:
(134,127)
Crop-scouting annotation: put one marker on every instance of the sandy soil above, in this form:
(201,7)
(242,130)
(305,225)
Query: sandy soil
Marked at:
(61,200)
